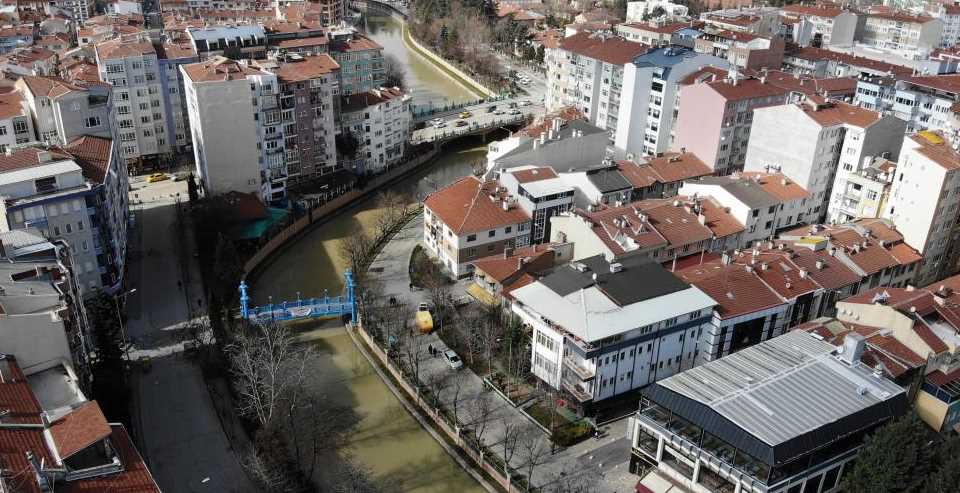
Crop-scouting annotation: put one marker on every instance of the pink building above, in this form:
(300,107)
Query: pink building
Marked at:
(715,117)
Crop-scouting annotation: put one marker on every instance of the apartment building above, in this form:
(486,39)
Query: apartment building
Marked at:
(236,41)
(587,70)
(661,176)
(42,321)
(308,91)
(720,426)
(923,203)
(360,59)
(601,329)
(820,62)
(924,102)
(743,50)
(644,119)
(598,184)
(472,219)
(77,194)
(231,157)
(715,118)
(62,111)
(16,126)
(654,32)
(824,136)
(871,248)
(763,203)
(325,12)
(380,121)
(539,192)
(861,191)
(822,26)
(900,33)
(170,56)
(762,292)
(663,230)
(761,21)
(131,66)
(948,13)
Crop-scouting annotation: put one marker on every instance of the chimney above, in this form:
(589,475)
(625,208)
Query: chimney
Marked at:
(725,258)
(44,157)
(852,349)
(820,264)
(803,273)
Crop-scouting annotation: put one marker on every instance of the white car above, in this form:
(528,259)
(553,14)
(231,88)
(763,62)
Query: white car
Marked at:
(452,359)
(525,102)
(439,124)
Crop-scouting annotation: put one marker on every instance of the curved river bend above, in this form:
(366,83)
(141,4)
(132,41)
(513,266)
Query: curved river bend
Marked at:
(387,440)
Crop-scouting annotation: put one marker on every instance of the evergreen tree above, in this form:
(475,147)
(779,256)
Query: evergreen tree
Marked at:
(896,458)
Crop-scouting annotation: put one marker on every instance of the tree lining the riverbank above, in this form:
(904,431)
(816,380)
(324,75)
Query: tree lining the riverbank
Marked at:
(459,31)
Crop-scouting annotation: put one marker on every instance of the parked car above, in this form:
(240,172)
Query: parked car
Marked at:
(515,111)
(438,123)
(462,300)
(525,102)
(157,177)
(424,307)
(492,108)
(465,114)
(461,123)
(452,359)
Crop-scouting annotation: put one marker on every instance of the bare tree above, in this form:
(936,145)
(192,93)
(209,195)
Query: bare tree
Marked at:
(264,471)
(491,333)
(439,293)
(267,367)
(580,481)
(354,250)
(478,417)
(395,73)
(511,435)
(436,384)
(318,426)
(535,449)
(456,387)
(354,478)
(411,348)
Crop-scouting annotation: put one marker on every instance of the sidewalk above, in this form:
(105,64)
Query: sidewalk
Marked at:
(608,456)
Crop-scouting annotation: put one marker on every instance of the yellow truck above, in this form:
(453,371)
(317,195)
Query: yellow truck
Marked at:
(424,319)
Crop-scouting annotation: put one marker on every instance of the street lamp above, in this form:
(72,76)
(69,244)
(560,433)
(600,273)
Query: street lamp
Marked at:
(123,330)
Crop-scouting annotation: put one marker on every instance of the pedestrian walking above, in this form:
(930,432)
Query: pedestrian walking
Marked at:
(430,349)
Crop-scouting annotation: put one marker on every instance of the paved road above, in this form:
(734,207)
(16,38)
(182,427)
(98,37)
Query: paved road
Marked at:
(605,460)
(182,437)
(183,440)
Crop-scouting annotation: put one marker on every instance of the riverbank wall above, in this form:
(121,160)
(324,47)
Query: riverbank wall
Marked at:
(438,422)
(326,211)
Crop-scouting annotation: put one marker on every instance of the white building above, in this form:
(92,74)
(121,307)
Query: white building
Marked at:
(763,202)
(539,192)
(78,195)
(224,103)
(923,203)
(861,191)
(598,184)
(637,11)
(624,87)
(823,136)
(132,68)
(380,121)
(902,34)
(171,55)
(472,219)
(16,126)
(602,329)
(62,111)
(925,102)
(822,26)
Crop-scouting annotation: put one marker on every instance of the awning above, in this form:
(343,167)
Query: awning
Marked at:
(482,295)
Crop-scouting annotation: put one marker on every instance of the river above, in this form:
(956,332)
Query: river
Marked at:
(387,440)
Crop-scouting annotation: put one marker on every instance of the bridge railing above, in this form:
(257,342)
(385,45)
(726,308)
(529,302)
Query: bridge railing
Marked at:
(422,114)
(469,129)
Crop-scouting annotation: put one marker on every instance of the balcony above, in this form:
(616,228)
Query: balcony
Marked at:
(583,373)
(575,389)
(268,102)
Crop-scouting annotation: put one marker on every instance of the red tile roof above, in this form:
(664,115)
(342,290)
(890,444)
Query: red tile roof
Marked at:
(603,46)
(310,67)
(135,478)
(937,149)
(736,291)
(777,185)
(469,206)
(92,154)
(828,11)
(366,99)
(11,105)
(814,54)
(533,174)
(82,427)
(16,395)
(567,114)
(503,267)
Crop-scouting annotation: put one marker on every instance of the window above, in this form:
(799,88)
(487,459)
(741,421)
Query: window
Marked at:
(471,237)
(93,121)
(508,229)
(69,228)
(491,233)
(19,126)
(3,130)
